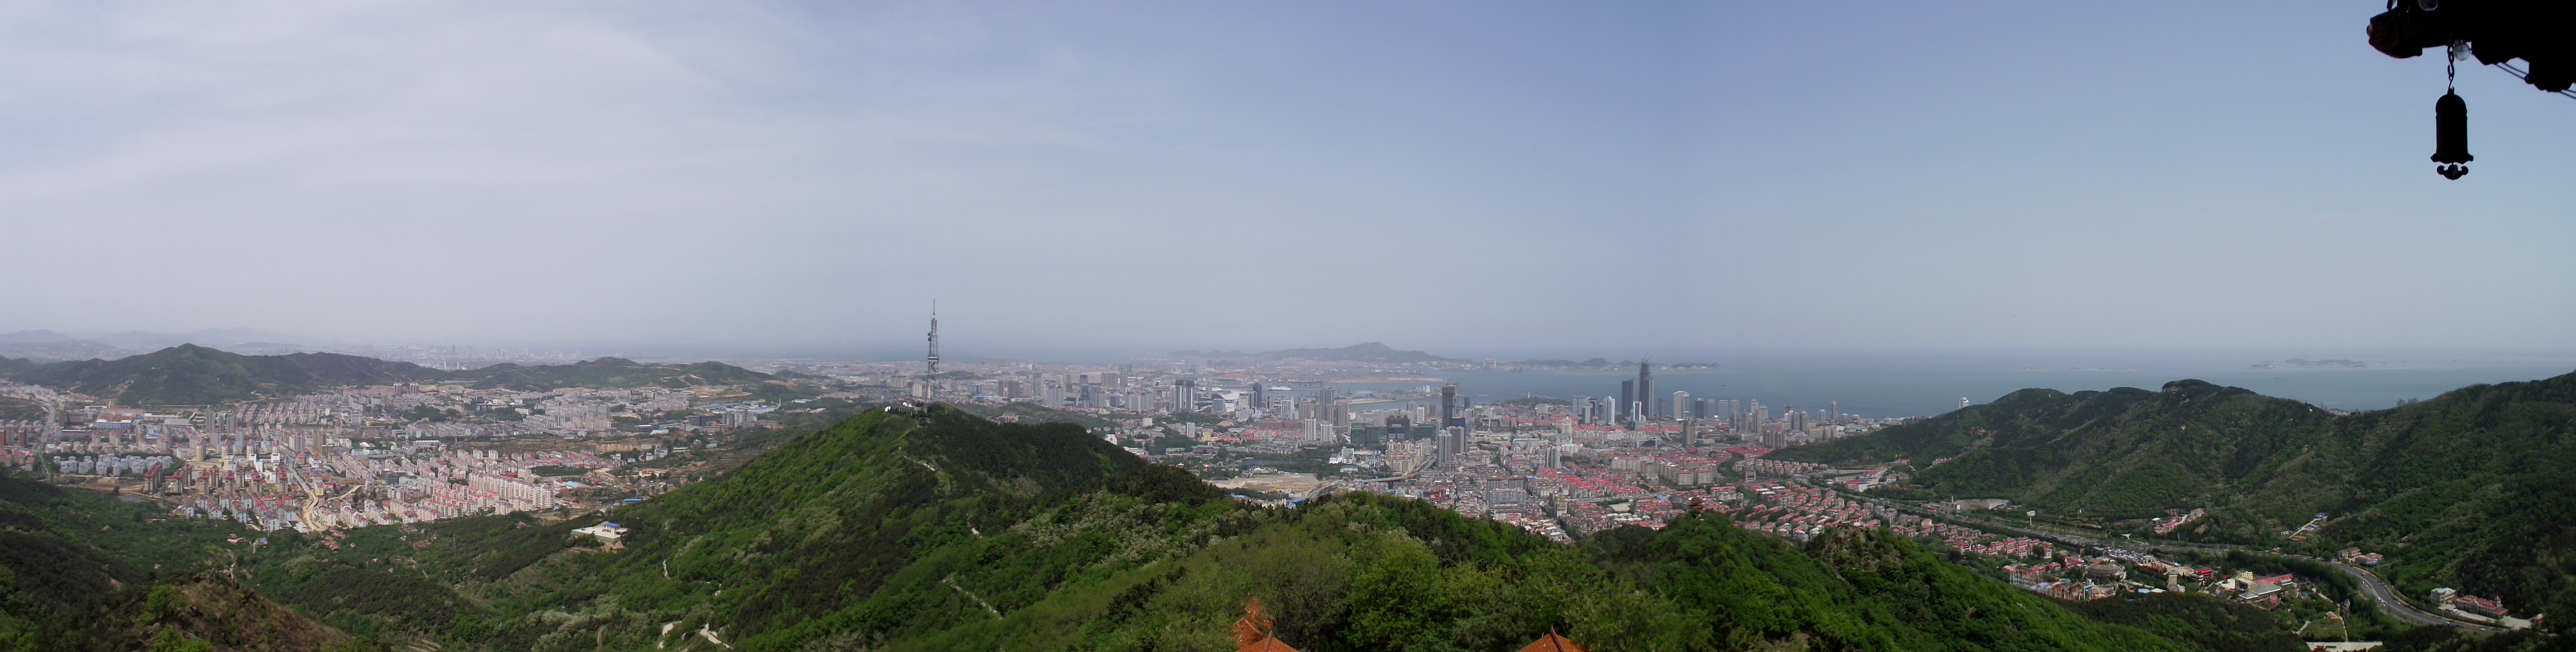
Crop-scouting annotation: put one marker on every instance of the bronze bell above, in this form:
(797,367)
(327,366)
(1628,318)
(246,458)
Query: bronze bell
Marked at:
(2451,136)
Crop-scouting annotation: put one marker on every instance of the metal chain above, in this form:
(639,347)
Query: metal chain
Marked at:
(2451,68)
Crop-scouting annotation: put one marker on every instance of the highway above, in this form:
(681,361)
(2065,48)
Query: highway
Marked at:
(2389,602)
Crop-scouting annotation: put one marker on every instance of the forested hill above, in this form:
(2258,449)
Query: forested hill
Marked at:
(939,530)
(194,375)
(605,372)
(81,571)
(2467,490)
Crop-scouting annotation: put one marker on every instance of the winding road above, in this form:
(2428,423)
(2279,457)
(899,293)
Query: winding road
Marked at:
(2389,602)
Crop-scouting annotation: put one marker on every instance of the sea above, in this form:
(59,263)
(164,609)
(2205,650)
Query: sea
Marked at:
(1886,386)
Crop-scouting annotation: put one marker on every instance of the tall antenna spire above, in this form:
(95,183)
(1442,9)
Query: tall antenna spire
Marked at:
(934,337)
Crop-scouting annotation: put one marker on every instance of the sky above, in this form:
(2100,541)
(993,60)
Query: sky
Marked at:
(1477,179)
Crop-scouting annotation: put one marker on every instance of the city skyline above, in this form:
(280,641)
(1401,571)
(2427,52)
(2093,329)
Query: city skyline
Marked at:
(770,325)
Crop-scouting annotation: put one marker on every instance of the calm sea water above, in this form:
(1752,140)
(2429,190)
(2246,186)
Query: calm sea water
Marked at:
(1896,388)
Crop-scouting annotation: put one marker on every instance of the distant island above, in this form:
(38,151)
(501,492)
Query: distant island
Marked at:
(1361,352)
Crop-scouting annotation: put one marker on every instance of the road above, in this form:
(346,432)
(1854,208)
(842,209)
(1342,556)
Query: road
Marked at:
(2389,602)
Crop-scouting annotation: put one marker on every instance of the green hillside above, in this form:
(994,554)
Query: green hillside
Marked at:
(942,531)
(209,611)
(2464,490)
(194,375)
(939,530)
(1024,412)
(606,372)
(84,571)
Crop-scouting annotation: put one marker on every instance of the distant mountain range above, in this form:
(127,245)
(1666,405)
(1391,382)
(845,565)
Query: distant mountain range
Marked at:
(34,336)
(2467,490)
(49,346)
(1362,352)
(189,374)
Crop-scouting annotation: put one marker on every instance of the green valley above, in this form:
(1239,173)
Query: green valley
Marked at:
(2465,490)
(941,530)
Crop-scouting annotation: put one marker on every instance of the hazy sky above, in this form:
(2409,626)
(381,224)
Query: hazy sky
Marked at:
(1478,178)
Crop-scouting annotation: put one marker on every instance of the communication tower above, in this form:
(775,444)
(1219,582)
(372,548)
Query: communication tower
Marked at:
(934,339)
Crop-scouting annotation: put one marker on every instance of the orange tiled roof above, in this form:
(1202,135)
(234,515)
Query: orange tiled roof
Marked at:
(1554,643)
(1267,644)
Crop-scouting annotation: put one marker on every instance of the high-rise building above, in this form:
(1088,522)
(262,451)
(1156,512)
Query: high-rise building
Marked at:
(1833,411)
(1449,406)
(1444,451)
(1627,395)
(1456,436)
(1681,408)
(1581,406)
(1645,385)
(1185,393)
(1797,418)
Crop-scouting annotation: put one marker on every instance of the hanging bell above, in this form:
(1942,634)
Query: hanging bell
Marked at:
(2451,136)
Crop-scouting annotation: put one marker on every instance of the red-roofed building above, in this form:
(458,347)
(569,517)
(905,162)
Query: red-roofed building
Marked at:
(2480,606)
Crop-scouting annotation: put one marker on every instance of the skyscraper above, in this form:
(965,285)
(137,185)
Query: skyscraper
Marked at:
(1681,408)
(1645,385)
(1449,405)
(1627,395)
(1457,442)
(1833,411)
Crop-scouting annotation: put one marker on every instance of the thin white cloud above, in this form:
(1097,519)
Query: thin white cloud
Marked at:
(1144,177)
